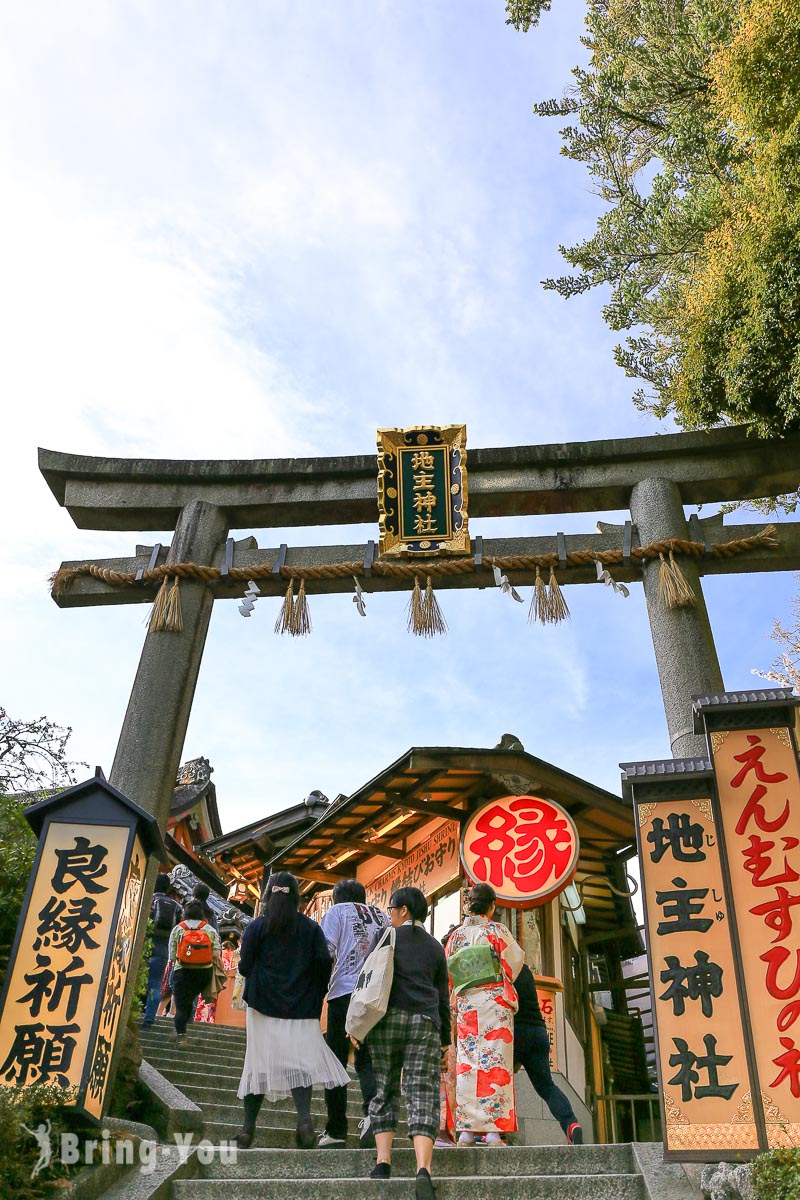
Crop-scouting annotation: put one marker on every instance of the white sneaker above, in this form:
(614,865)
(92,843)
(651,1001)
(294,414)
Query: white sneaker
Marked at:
(466,1138)
(366,1138)
(326,1142)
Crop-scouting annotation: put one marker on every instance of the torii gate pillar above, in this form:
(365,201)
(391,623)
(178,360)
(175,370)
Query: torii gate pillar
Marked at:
(154,730)
(684,644)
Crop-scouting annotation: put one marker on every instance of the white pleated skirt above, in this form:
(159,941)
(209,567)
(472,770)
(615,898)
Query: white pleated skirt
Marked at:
(282,1055)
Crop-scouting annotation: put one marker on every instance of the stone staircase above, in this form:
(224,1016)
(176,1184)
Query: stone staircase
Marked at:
(208,1073)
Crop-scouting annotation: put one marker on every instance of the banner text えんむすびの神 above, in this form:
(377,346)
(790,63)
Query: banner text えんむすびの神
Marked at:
(759,794)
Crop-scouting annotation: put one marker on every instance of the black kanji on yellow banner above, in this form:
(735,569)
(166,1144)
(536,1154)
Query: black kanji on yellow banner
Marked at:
(65,986)
(422,490)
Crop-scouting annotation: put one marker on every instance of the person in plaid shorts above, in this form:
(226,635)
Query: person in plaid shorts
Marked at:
(409,1046)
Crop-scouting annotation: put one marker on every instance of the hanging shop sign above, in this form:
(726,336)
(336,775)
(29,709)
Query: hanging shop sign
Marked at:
(422,490)
(759,796)
(526,847)
(706,1084)
(67,976)
(429,866)
(546,990)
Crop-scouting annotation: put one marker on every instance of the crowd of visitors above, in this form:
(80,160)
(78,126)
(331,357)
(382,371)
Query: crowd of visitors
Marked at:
(458,1020)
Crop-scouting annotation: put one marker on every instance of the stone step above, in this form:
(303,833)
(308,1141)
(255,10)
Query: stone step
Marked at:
(203,1096)
(448,1187)
(194,1073)
(517,1161)
(194,1062)
(266,1137)
(218,1035)
(271,1117)
(198,1051)
(186,1063)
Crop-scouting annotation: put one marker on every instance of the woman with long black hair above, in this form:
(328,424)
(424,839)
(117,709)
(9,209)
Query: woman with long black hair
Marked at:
(286,966)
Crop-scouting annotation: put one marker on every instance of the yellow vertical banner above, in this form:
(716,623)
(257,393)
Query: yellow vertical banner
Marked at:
(759,794)
(703,1066)
(108,1025)
(51,995)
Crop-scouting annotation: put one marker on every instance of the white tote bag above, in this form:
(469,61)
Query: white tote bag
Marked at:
(370,997)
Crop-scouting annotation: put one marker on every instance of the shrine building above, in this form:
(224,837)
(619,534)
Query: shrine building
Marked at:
(404,828)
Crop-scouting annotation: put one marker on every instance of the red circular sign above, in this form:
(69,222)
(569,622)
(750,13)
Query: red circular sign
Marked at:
(526,847)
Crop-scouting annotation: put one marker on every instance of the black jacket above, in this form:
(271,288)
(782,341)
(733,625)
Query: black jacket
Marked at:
(529,1012)
(286,974)
(421,983)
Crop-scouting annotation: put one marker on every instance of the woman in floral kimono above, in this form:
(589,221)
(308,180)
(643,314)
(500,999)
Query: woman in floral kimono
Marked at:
(487,1002)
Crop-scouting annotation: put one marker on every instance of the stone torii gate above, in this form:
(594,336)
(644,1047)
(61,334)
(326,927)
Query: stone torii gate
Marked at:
(653,477)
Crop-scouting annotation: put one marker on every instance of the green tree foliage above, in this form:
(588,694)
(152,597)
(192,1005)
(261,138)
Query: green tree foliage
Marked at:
(776,1175)
(524,14)
(17,851)
(22,1111)
(740,330)
(686,118)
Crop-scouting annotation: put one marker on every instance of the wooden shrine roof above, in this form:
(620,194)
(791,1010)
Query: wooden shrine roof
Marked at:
(449,783)
(243,853)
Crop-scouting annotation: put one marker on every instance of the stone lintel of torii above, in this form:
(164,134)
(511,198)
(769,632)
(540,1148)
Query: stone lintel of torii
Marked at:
(144,494)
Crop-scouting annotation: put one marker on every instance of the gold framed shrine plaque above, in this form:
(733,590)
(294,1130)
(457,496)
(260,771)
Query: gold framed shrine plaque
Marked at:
(422,490)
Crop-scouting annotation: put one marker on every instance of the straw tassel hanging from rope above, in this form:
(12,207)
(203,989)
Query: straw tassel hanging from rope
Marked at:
(415,623)
(674,589)
(434,617)
(284,621)
(425,618)
(301,620)
(539,609)
(166,615)
(557,605)
(174,617)
(158,611)
(294,617)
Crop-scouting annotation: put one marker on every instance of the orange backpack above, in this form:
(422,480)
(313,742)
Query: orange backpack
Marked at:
(194,946)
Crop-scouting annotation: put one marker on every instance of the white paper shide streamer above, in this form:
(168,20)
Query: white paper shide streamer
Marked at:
(249,601)
(358,598)
(507,588)
(603,576)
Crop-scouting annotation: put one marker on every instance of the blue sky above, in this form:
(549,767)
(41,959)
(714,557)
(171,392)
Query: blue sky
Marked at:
(266,230)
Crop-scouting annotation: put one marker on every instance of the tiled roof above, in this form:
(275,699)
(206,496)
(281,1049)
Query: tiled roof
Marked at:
(762,696)
(658,768)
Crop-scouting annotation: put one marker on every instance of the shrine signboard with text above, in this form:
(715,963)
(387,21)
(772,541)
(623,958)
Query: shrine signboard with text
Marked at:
(758,785)
(429,866)
(422,490)
(526,847)
(719,845)
(65,984)
(705,1077)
